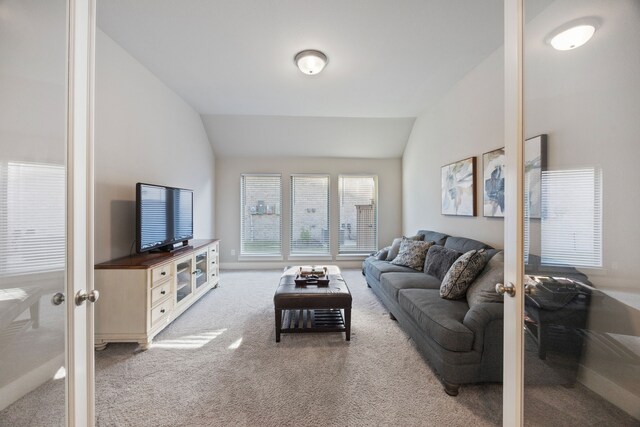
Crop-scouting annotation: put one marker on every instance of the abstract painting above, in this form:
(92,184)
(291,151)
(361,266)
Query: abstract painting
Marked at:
(535,161)
(459,188)
(493,167)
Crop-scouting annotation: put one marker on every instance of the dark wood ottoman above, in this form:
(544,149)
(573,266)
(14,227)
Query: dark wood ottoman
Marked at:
(312,308)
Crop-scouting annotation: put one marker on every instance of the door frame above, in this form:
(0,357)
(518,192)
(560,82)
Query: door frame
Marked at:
(79,356)
(513,370)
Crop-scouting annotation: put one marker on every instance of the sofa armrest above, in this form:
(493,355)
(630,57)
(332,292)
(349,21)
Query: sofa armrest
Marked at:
(479,317)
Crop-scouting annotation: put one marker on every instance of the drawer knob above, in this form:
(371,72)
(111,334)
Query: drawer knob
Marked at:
(162,311)
(163,292)
(164,273)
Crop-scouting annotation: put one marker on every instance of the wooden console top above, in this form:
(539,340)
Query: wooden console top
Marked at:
(149,260)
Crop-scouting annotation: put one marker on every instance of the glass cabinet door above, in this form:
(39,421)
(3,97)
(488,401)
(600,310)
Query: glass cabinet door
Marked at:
(201,270)
(184,273)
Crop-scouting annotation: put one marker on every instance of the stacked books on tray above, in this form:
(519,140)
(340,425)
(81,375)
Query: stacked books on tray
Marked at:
(312,275)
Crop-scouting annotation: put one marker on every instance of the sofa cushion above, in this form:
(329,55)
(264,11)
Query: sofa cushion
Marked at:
(378,268)
(438,261)
(412,254)
(440,318)
(462,244)
(483,289)
(395,246)
(392,283)
(434,236)
(462,273)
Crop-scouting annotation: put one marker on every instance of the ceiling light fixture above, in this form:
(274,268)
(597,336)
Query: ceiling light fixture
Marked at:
(573,34)
(311,61)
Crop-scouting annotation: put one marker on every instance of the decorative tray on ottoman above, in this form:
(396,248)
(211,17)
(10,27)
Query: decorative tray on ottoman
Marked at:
(320,281)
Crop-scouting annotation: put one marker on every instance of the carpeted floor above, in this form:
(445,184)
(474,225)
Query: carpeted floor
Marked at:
(218,365)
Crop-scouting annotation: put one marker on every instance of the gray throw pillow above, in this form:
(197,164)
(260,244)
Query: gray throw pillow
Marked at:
(483,289)
(382,253)
(439,260)
(395,246)
(412,253)
(462,273)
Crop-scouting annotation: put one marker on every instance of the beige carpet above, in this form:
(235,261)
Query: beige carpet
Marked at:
(219,365)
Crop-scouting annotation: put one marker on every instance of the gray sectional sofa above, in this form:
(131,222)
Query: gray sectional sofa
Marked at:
(461,339)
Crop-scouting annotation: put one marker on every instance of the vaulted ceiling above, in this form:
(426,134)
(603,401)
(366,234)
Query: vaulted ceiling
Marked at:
(232,61)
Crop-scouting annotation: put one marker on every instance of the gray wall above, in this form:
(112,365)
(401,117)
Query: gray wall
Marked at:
(228,171)
(144,132)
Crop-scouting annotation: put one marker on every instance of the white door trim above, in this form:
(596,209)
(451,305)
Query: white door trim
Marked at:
(79,268)
(513,370)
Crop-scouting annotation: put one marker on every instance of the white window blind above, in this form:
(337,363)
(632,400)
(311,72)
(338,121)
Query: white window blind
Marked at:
(310,215)
(358,232)
(572,218)
(261,223)
(32,218)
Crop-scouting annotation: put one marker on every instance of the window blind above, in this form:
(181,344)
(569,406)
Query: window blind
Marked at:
(572,218)
(260,221)
(32,218)
(358,232)
(310,215)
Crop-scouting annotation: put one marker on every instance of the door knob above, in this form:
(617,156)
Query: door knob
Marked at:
(83,296)
(530,289)
(508,289)
(57,299)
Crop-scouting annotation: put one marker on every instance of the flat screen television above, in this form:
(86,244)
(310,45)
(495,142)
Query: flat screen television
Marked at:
(164,217)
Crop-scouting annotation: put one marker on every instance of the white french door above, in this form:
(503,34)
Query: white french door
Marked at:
(572,341)
(46,209)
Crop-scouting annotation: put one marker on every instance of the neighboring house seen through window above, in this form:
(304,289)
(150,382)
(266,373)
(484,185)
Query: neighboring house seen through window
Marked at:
(358,232)
(261,222)
(310,215)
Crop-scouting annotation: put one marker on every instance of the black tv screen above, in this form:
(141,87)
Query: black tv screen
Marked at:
(164,216)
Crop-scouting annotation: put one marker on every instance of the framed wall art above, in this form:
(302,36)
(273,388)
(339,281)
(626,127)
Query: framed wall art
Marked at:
(459,188)
(493,175)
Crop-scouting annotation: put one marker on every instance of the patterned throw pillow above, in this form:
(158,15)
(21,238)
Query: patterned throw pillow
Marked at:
(462,273)
(395,246)
(412,253)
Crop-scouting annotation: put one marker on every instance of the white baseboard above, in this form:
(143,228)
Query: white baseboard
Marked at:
(610,391)
(280,265)
(30,381)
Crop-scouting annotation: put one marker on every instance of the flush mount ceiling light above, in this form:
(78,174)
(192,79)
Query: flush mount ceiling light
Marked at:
(573,34)
(310,61)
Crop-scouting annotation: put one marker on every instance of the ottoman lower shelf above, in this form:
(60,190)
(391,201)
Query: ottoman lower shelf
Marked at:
(311,320)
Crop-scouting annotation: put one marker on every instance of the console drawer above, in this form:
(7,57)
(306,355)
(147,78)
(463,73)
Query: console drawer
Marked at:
(160,292)
(160,273)
(160,311)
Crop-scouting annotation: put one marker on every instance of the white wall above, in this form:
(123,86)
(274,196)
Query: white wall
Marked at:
(467,122)
(228,171)
(588,102)
(144,132)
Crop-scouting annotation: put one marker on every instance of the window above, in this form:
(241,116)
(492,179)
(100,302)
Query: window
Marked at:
(260,222)
(358,232)
(310,215)
(572,218)
(32,218)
